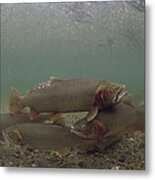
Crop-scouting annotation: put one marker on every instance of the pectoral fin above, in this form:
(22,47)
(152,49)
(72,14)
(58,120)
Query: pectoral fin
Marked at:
(92,114)
(33,114)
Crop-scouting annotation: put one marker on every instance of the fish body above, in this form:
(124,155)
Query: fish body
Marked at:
(46,137)
(7,119)
(17,129)
(52,137)
(68,96)
(122,118)
(63,96)
(98,134)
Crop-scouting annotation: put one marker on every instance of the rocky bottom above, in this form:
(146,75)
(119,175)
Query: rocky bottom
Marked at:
(128,153)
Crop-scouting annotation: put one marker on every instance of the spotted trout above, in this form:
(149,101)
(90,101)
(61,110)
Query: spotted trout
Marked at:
(73,95)
(52,137)
(112,122)
(7,120)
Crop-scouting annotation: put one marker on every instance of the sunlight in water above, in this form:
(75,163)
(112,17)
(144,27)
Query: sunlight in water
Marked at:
(104,40)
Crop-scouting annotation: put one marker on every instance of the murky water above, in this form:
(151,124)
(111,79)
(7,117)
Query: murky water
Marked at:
(104,40)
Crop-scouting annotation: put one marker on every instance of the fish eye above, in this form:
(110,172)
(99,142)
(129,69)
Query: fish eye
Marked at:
(84,127)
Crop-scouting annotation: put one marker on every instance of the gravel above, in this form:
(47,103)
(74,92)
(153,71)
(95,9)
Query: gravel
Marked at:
(128,153)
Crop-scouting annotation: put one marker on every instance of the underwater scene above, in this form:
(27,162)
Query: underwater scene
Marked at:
(73,85)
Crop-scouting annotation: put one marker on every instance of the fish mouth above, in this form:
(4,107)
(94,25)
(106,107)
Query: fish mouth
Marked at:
(78,132)
(120,94)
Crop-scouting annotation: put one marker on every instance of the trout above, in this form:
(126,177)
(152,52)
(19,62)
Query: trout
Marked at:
(73,95)
(111,122)
(7,120)
(52,137)
(46,137)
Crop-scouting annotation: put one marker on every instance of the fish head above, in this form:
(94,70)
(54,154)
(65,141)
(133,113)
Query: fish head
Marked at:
(89,130)
(109,94)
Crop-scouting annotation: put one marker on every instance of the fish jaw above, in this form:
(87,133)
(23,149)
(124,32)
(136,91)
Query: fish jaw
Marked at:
(109,94)
(120,95)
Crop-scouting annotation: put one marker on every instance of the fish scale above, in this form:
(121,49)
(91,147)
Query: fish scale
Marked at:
(73,95)
(70,95)
(122,118)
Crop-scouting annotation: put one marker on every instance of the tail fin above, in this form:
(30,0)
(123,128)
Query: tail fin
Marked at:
(14,101)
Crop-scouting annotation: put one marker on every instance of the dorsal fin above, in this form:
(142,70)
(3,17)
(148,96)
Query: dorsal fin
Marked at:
(53,79)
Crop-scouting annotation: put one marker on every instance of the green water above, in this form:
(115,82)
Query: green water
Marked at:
(104,40)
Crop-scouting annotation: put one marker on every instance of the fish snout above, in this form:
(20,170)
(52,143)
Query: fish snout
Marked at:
(120,94)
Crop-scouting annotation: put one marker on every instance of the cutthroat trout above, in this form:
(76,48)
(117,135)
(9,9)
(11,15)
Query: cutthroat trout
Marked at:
(7,120)
(46,137)
(18,130)
(110,123)
(52,137)
(60,96)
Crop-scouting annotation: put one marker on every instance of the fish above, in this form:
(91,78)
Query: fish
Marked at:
(51,137)
(7,119)
(72,95)
(121,119)
(46,137)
